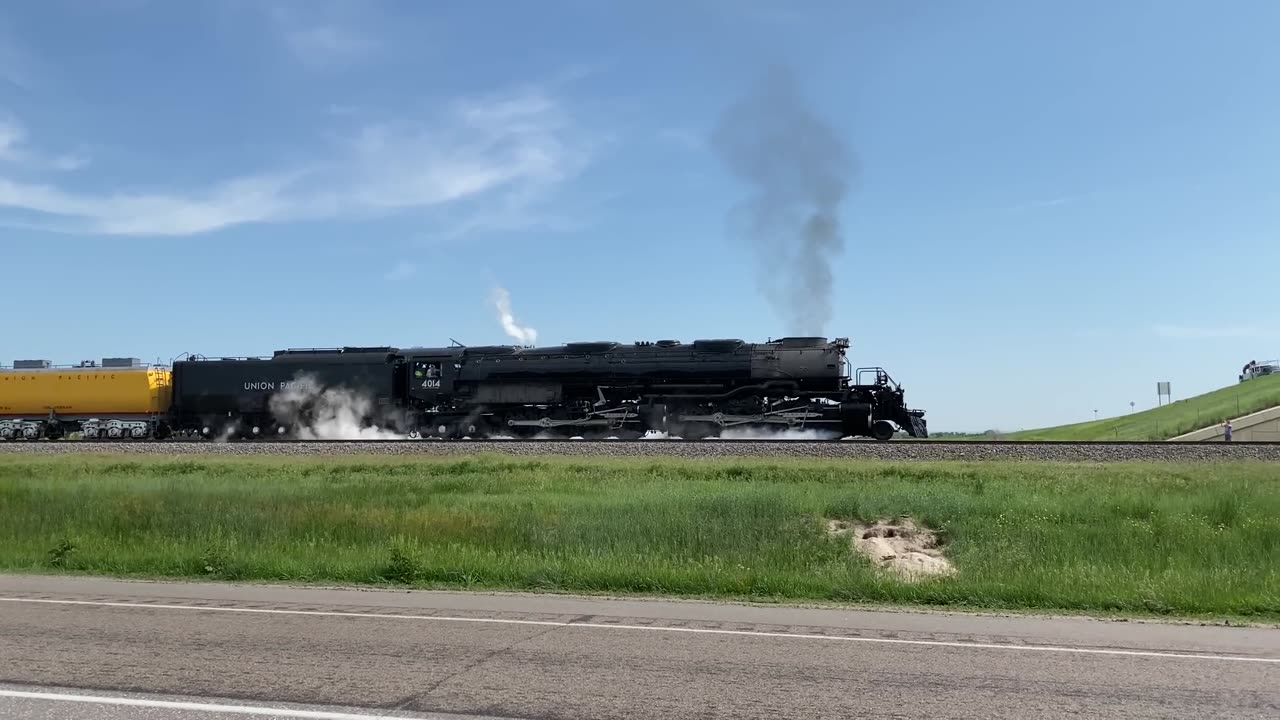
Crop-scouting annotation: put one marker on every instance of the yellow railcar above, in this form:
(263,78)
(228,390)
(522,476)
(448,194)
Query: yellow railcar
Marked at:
(99,401)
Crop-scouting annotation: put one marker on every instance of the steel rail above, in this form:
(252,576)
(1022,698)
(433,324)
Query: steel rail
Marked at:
(652,441)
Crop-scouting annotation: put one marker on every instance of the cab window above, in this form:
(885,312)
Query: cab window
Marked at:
(426,373)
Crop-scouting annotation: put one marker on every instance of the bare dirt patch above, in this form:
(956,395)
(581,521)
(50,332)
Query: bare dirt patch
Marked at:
(901,546)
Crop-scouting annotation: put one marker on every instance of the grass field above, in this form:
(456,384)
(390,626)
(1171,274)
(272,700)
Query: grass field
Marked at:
(1138,539)
(1162,423)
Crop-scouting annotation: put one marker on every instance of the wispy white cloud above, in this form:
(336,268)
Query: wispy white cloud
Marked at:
(509,149)
(14,150)
(325,34)
(1184,332)
(402,271)
(68,162)
(243,200)
(776,14)
(16,66)
(321,46)
(682,138)
(767,12)
(526,208)
(11,136)
(344,110)
(1046,202)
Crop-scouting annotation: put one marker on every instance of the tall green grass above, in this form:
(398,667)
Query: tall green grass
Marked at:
(1140,538)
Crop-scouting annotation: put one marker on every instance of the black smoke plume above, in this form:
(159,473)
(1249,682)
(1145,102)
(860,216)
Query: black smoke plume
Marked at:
(798,171)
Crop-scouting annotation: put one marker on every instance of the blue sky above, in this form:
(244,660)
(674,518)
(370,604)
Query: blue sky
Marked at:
(1051,207)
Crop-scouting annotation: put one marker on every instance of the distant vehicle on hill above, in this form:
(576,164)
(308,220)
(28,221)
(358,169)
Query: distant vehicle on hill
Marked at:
(1253,369)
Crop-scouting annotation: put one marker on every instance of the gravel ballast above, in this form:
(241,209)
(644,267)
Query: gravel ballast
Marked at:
(966,451)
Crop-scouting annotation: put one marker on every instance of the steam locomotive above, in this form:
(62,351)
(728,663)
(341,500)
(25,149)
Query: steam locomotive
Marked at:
(590,389)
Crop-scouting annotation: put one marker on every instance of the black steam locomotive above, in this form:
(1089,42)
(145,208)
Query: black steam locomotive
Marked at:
(588,389)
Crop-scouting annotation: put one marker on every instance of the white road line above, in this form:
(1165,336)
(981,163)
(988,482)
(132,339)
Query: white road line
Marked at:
(659,628)
(214,707)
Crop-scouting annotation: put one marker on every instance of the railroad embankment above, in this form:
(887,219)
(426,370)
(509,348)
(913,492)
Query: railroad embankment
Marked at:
(1171,420)
(1135,538)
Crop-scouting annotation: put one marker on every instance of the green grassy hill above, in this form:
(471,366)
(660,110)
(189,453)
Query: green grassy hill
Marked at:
(1170,420)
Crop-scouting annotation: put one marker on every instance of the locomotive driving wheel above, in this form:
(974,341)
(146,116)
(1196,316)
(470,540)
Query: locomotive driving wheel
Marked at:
(693,430)
(471,428)
(627,434)
(882,430)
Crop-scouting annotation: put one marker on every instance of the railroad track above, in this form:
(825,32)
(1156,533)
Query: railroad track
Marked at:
(1030,450)
(191,441)
(741,441)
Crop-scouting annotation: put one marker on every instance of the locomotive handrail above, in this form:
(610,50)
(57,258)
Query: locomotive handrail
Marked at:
(346,349)
(879,372)
(202,358)
(86,365)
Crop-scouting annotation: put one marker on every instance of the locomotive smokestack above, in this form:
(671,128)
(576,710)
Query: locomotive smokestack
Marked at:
(797,169)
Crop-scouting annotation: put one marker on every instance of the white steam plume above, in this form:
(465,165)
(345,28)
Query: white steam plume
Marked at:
(502,302)
(319,413)
(777,434)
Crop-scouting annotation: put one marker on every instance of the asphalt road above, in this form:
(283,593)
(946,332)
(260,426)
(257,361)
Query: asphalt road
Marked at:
(73,648)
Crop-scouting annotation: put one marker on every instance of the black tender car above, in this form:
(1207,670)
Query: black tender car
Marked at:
(266,396)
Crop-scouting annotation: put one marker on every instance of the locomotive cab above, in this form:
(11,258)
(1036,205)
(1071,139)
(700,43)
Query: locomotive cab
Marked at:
(431,377)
